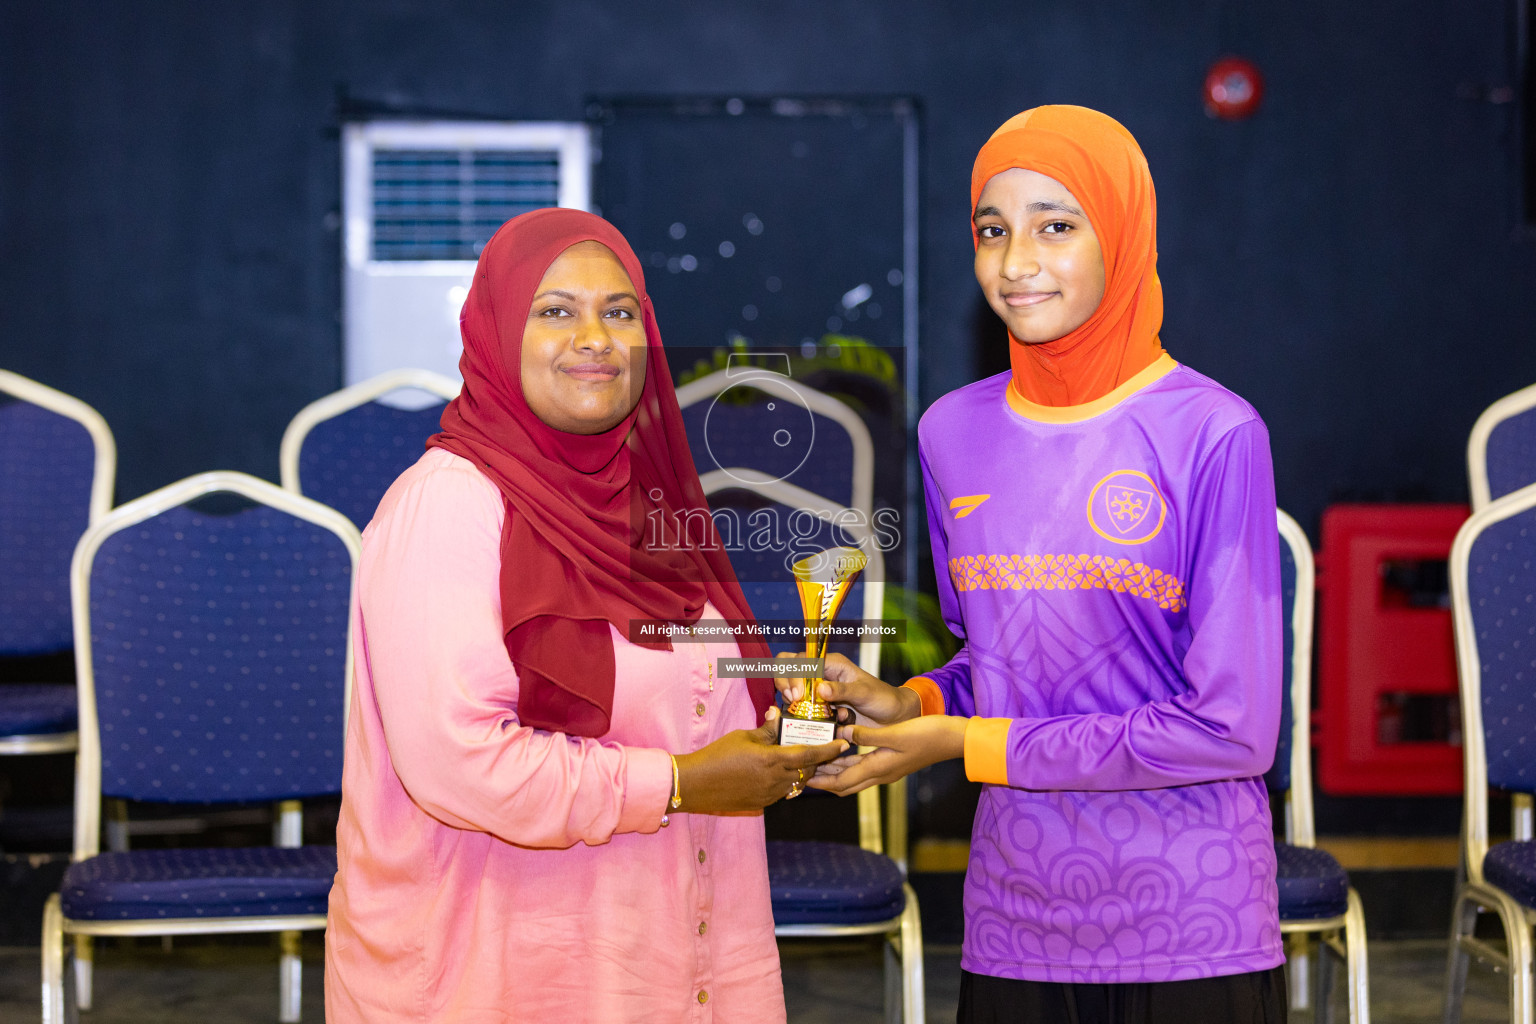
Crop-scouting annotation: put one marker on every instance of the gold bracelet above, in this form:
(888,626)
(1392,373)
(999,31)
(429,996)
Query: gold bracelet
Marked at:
(677,787)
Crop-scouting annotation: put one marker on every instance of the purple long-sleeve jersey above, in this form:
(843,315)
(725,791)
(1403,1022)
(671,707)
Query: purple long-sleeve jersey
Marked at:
(1113,571)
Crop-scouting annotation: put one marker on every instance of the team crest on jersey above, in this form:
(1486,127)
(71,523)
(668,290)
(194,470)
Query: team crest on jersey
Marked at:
(1126,508)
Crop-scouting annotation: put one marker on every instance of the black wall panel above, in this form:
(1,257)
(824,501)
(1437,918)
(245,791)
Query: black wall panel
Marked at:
(1352,260)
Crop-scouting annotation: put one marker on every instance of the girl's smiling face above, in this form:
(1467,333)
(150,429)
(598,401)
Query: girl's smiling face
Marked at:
(1038,260)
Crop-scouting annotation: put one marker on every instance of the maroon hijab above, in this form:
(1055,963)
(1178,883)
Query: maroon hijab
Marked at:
(574,555)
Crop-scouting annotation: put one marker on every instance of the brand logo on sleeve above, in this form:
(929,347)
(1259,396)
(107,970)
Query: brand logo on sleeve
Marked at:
(1126,508)
(963,507)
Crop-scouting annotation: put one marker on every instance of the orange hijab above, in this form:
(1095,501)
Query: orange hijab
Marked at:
(1098,161)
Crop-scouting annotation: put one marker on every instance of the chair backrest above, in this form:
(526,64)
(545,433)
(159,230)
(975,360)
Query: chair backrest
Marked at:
(797,450)
(737,420)
(57,467)
(1493,606)
(344,450)
(767,424)
(770,590)
(1501,450)
(213,648)
(763,570)
(1292,770)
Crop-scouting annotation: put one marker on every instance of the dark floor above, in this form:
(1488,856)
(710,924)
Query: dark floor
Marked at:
(233,981)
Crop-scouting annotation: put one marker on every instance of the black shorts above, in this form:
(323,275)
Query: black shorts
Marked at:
(1258,998)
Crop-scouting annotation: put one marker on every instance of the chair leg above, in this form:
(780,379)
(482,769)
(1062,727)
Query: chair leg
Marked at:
(1463,924)
(1356,967)
(84,952)
(53,962)
(1518,939)
(1322,975)
(1299,969)
(290,978)
(913,997)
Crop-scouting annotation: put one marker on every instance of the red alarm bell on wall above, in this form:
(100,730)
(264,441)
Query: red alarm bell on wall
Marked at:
(1233,89)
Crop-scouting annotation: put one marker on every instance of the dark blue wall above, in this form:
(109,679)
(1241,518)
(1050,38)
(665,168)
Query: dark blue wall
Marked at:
(1350,260)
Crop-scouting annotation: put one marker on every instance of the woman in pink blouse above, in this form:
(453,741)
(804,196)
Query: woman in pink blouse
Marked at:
(541,819)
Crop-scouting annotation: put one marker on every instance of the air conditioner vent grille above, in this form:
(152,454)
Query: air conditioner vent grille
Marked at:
(432,204)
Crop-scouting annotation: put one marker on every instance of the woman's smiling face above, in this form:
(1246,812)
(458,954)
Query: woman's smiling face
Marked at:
(1038,260)
(583,361)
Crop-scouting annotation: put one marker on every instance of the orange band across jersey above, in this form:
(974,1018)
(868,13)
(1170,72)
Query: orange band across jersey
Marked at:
(1067,572)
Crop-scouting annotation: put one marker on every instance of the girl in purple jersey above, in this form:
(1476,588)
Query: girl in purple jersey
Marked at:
(1103,525)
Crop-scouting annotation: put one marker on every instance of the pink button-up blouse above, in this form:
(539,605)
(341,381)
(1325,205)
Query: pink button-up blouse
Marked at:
(495,872)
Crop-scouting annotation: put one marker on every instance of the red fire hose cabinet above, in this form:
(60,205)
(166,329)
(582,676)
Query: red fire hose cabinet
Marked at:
(1388,720)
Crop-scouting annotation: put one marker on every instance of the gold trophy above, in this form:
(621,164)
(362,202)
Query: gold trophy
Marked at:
(824,580)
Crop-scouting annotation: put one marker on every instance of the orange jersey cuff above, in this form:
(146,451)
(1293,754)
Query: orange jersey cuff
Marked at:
(986,750)
(928,693)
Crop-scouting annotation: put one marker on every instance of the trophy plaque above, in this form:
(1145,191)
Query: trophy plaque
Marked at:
(824,580)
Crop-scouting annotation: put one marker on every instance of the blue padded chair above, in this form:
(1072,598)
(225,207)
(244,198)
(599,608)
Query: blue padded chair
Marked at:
(1501,459)
(819,889)
(1501,450)
(213,657)
(1316,900)
(775,428)
(1493,605)
(344,450)
(57,465)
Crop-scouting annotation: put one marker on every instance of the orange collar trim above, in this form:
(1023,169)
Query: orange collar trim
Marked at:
(1160,368)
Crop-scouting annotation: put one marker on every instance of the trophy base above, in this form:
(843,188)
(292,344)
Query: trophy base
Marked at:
(795,732)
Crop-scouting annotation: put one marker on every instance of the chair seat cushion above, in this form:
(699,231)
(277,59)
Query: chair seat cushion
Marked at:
(259,881)
(832,883)
(34,709)
(1512,867)
(1312,884)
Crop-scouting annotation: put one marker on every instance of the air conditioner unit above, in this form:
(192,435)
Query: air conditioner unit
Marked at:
(420,199)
